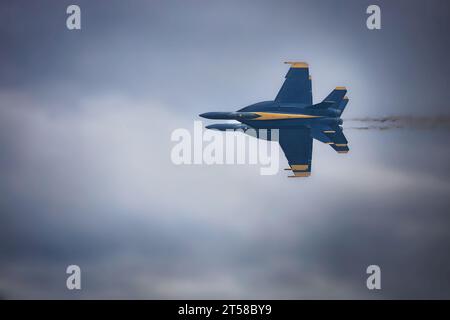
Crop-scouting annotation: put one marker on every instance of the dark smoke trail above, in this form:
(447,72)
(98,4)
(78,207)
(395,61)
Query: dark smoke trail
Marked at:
(399,122)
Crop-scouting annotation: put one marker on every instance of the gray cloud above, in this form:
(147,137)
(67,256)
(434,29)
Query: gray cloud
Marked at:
(96,189)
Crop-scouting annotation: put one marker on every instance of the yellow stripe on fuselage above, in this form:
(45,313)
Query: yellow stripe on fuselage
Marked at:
(282,116)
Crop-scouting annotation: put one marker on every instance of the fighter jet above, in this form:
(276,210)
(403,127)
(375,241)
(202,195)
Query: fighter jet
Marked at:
(298,120)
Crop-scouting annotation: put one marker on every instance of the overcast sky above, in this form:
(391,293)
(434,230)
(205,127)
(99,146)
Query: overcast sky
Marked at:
(86,176)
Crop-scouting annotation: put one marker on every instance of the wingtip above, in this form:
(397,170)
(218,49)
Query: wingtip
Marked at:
(300,175)
(297,64)
(299,166)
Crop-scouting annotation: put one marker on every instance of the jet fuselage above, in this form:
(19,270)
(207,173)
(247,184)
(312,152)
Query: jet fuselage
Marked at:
(276,115)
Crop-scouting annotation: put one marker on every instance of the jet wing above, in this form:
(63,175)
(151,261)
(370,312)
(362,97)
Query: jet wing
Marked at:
(297,147)
(297,86)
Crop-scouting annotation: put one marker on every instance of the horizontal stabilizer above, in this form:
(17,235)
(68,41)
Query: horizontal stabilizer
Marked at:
(340,148)
(340,143)
(342,105)
(321,135)
(325,105)
(336,100)
(336,95)
(332,136)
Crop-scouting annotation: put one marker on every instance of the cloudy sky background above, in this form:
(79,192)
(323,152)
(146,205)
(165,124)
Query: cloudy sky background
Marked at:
(85,171)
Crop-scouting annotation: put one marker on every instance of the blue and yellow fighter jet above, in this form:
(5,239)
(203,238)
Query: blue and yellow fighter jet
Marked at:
(298,120)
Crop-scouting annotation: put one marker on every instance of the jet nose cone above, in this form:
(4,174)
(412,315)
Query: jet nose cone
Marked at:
(204,115)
